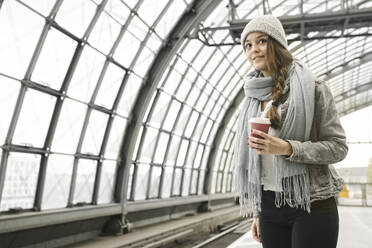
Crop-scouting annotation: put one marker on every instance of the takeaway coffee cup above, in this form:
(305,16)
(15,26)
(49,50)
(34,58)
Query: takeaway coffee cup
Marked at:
(260,123)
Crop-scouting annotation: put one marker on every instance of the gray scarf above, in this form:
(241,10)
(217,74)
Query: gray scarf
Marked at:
(292,177)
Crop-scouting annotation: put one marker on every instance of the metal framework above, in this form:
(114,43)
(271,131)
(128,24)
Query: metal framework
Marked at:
(300,28)
(190,20)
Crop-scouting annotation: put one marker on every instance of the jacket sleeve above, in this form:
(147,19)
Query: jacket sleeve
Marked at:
(330,145)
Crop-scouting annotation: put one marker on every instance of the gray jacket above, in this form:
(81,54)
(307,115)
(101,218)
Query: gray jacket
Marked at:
(327,145)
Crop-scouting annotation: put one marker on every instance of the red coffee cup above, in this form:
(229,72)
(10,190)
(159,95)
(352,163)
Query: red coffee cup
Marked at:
(259,123)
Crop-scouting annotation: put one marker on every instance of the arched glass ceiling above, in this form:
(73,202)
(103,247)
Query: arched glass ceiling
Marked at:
(113,101)
(70,72)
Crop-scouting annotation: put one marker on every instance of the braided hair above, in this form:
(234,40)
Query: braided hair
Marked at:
(278,62)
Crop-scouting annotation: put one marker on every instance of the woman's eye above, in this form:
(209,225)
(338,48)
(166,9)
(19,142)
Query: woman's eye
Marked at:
(248,46)
(262,41)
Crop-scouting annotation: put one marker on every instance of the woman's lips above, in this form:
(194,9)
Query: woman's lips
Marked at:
(259,57)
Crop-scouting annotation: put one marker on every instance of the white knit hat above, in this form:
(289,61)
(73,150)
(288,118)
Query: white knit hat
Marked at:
(267,24)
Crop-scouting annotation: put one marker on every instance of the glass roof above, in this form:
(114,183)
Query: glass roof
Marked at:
(121,101)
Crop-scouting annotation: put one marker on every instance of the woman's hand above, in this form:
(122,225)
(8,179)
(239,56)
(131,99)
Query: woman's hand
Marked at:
(256,230)
(269,144)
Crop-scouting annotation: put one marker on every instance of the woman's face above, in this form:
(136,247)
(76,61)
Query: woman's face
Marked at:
(256,47)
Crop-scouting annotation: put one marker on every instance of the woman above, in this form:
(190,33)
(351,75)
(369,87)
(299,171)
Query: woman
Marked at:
(286,175)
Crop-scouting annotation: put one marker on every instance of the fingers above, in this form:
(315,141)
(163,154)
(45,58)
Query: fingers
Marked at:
(256,231)
(258,144)
(262,134)
(257,140)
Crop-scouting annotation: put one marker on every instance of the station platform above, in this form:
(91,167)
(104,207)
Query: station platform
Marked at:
(355,230)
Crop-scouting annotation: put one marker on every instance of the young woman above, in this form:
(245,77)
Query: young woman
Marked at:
(286,175)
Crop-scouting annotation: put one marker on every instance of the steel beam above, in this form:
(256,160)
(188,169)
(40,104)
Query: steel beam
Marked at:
(302,25)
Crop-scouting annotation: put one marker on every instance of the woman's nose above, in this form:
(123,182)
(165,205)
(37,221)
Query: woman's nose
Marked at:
(254,47)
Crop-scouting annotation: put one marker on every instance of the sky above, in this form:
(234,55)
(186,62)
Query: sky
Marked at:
(358,127)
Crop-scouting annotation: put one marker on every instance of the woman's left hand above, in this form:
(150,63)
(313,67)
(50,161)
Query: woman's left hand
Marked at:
(268,144)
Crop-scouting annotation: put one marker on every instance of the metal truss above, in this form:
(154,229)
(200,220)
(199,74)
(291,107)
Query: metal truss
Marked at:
(300,27)
(348,65)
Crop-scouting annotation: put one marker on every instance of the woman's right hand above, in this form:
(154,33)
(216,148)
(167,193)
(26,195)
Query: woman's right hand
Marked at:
(256,230)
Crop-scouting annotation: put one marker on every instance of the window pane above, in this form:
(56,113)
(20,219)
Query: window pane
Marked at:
(34,119)
(210,105)
(177,182)
(130,93)
(107,186)
(57,181)
(150,10)
(127,49)
(161,148)
(155,181)
(143,62)
(185,115)
(54,59)
(205,157)
(191,154)
(160,109)
(85,77)
(182,153)
(69,127)
(172,115)
(95,131)
(131,3)
(115,138)
(148,146)
(167,182)
(20,181)
(201,182)
(213,185)
(219,182)
(194,180)
(9,90)
(206,131)
(191,124)
(184,90)
(169,19)
(201,57)
(200,125)
(118,10)
(20,30)
(212,133)
(172,82)
(138,142)
(193,97)
(86,173)
(138,28)
(76,15)
(192,46)
(228,183)
(198,156)
(186,182)
(224,180)
(110,86)
(142,180)
(104,34)
(154,43)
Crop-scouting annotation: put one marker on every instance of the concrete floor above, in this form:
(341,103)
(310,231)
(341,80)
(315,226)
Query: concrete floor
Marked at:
(355,230)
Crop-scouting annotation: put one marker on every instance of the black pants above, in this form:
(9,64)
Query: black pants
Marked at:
(287,227)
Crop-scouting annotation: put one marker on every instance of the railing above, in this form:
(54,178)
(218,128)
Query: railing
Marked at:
(356,194)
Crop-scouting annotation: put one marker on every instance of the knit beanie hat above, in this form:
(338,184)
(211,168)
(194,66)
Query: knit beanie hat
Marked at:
(267,24)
